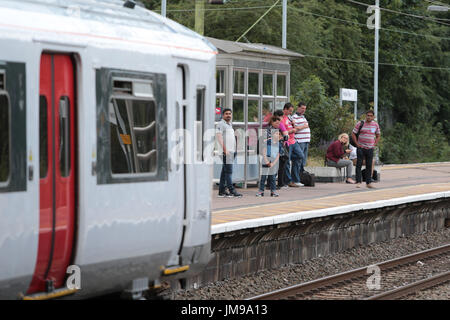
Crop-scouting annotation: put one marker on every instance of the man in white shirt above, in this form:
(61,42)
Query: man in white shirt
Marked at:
(227,142)
(302,132)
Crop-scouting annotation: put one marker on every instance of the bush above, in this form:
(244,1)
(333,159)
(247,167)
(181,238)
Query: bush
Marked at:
(325,117)
(414,144)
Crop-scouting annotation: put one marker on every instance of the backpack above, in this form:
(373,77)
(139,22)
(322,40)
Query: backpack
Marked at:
(353,143)
(308,179)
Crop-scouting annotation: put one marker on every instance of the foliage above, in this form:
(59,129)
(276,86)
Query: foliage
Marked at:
(325,117)
(339,50)
(419,143)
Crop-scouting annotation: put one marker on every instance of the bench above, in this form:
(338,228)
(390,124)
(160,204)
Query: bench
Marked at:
(332,174)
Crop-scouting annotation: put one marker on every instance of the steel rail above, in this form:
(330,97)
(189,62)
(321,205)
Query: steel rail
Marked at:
(413,287)
(346,276)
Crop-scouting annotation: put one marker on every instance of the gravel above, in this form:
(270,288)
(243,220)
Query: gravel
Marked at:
(268,280)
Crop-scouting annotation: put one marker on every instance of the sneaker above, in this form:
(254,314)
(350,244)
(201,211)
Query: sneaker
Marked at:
(370,186)
(260,194)
(225,194)
(293,185)
(358,185)
(274,194)
(236,194)
(285,187)
(299,184)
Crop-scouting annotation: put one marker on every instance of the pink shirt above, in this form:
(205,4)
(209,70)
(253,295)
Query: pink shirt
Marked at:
(367,134)
(288,124)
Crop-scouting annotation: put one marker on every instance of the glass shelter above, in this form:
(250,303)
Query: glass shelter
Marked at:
(253,80)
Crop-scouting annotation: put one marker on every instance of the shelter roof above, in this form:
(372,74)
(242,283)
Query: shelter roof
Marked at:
(227,46)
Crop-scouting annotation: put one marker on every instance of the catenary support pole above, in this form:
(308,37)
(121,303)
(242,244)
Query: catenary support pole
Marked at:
(284,24)
(163,7)
(375,85)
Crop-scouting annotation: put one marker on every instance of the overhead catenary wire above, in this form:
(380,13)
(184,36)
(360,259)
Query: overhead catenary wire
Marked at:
(259,19)
(313,14)
(365,25)
(402,13)
(337,19)
(371,62)
(219,9)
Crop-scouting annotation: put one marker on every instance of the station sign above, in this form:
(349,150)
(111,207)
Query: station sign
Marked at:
(348,94)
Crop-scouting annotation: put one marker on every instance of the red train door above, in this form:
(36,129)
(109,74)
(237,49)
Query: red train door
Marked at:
(56,171)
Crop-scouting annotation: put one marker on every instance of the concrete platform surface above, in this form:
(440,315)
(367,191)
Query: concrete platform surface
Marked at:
(406,183)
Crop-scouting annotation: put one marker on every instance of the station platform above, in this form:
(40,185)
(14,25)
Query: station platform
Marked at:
(400,184)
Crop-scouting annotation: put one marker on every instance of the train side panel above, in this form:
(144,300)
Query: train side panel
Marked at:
(200,96)
(19,167)
(129,220)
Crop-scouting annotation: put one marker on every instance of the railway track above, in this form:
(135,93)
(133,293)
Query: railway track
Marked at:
(391,279)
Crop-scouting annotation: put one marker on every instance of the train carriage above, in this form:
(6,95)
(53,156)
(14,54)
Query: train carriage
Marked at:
(93,170)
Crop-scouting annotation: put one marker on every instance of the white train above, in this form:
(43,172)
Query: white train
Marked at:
(91,92)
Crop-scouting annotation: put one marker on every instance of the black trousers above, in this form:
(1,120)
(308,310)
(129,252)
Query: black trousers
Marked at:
(281,172)
(364,154)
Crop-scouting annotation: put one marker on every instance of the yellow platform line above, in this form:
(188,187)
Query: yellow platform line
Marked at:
(414,166)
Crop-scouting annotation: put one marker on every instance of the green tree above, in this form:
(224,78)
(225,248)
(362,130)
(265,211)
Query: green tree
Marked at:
(414,55)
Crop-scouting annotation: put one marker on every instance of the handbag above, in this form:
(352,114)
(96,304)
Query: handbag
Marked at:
(284,156)
(352,142)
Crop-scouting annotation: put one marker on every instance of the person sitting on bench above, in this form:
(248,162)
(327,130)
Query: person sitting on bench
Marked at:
(335,153)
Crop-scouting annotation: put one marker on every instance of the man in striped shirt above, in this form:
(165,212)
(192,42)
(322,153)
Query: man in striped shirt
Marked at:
(302,133)
(368,138)
(292,176)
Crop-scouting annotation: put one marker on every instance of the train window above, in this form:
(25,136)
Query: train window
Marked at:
(13,126)
(120,86)
(43,137)
(144,130)
(200,122)
(64,136)
(133,134)
(132,141)
(4,138)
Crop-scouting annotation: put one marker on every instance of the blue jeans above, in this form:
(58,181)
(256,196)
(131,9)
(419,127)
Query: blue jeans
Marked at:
(296,157)
(226,175)
(304,146)
(272,184)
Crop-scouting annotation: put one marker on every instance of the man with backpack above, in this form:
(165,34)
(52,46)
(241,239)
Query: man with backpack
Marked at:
(365,135)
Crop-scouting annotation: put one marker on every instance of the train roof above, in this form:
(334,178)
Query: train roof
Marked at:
(97,22)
